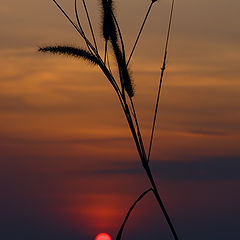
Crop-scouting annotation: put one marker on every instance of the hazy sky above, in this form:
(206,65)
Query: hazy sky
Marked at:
(68,166)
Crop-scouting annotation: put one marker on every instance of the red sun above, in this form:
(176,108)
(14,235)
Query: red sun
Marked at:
(103,236)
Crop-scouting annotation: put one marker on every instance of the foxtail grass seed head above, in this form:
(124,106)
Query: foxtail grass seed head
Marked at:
(108,25)
(128,82)
(70,51)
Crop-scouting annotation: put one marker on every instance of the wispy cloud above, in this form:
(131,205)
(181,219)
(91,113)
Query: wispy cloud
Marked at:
(204,133)
(205,169)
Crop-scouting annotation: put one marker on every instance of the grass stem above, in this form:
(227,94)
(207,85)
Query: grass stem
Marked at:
(90,24)
(138,128)
(105,51)
(156,193)
(161,80)
(119,235)
(77,17)
(139,33)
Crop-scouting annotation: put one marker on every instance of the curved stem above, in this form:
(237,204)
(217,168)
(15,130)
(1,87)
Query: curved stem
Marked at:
(79,30)
(156,193)
(146,167)
(129,212)
(90,24)
(77,16)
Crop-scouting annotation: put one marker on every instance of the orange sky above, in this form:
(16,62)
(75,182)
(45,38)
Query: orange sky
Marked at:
(61,125)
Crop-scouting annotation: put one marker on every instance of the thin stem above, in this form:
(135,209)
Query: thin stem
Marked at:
(108,63)
(89,45)
(94,52)
(160,81)
(138,128)
(77,17)
(140,32)
(119,235)
(80,26)
(113,82)
(155,191)
(90,24)
(145,164)
(135,136)
(170,24)
(105,50)
(69,19)
(120,36)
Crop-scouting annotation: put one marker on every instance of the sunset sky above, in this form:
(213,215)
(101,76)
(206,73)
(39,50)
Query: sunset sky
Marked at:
(69,168)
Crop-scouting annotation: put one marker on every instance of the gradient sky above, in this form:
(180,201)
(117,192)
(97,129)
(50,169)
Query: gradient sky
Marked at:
(68,166)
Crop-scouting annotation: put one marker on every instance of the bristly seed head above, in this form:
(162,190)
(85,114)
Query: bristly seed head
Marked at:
(108,25)
(128,82)
(71,51)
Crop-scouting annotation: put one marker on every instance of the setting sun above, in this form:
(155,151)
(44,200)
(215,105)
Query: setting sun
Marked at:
(103,236)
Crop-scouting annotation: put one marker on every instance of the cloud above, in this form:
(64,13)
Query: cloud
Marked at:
(205,169)
(84,140)
(204,133)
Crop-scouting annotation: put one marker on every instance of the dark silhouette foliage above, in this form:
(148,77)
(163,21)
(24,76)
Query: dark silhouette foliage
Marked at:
(112,36)
(71,51)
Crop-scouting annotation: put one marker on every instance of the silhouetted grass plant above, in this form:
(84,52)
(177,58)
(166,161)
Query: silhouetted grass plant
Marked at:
(112,37)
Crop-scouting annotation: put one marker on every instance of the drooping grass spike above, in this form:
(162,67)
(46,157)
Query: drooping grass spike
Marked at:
(108,26)
(110,33)
(126,81)
(71,51)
